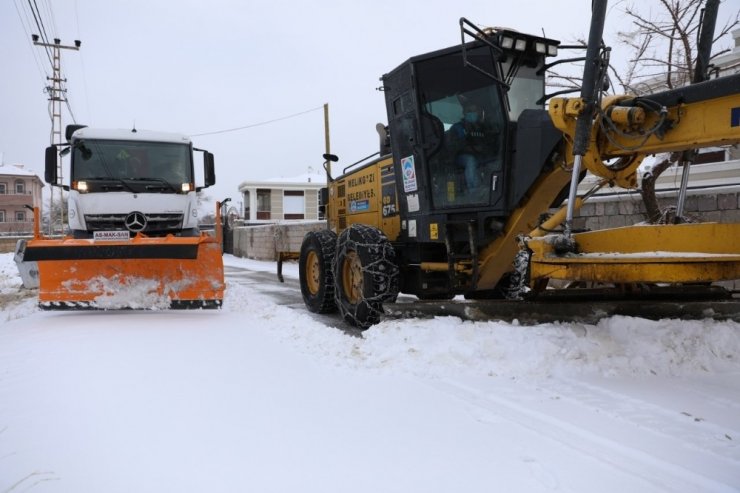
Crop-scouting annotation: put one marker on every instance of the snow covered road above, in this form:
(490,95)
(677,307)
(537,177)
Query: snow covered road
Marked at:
(264,397)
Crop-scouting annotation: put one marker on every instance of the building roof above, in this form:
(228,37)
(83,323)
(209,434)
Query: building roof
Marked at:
(17,170)
(315,179)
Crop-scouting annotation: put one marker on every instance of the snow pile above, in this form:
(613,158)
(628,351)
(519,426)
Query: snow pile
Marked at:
(15,301)
(616,346)
(122,292)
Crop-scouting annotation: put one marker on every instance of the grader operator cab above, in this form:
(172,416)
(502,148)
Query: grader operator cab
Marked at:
(468,127)
(471,162)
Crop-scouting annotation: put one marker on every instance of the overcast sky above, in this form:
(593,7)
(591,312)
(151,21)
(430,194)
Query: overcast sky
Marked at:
(193,67)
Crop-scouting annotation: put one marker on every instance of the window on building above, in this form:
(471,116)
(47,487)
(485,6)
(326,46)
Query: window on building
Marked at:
(20,187)
(2,216)
(263,203)
(294,204)
(322,208)
(20,216)
(3,188)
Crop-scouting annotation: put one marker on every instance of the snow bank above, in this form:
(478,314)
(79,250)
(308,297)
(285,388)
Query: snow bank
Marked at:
(616,346)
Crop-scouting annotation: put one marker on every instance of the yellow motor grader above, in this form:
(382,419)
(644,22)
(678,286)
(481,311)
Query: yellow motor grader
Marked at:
(452,208)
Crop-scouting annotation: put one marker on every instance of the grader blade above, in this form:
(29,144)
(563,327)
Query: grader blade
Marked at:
(679,253)
(141,273)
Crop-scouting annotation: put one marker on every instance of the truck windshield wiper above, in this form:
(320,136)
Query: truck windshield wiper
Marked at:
(164,183)
(120,181)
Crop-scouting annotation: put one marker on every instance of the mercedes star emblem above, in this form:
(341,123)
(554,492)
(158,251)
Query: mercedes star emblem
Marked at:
(135,222)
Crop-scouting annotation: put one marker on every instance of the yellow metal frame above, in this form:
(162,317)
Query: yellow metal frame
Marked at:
(680,253)
(363,186)
(684,253)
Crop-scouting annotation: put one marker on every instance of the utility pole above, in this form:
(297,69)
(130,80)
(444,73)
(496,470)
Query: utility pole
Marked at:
(57,96)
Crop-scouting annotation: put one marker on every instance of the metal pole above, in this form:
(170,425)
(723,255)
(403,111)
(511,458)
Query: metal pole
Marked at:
(327,145)
(327,162)
(56,97)
(574,179)
(56,134)
(589,93)
(684,185)
(687,158)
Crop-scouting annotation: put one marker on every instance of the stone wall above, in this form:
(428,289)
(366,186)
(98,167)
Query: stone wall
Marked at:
(263,242)
(7,243)
(625,209)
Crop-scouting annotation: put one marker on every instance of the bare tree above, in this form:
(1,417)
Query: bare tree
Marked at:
(663,55)
(663,46)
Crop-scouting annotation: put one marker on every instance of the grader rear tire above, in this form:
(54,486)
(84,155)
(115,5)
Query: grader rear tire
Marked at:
(315,272)
(366,275)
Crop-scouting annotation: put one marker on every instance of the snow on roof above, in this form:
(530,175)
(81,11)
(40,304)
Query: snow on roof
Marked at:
(313,179)
(16,170)
(304,178)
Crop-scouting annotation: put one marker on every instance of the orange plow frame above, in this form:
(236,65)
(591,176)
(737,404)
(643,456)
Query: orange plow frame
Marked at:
(144,272)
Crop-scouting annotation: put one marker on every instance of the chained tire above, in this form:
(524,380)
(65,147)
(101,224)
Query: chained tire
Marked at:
(366,275)
(315,271)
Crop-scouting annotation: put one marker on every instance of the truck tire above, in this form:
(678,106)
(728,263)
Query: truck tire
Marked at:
(366,275)
(315,271)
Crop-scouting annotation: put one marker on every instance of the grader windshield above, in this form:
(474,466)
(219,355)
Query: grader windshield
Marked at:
(464,120)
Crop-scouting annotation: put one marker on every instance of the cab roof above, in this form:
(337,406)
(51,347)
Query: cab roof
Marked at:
(138,135)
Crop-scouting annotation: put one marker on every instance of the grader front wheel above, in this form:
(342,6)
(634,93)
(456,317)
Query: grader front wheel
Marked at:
(366,274)
(315,273)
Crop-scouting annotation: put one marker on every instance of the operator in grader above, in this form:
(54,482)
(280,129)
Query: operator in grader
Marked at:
(472,142)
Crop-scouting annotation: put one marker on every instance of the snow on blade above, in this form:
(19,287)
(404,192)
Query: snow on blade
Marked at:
(119,292)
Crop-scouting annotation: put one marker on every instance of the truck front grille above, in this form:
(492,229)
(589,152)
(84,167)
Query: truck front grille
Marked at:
(155,223)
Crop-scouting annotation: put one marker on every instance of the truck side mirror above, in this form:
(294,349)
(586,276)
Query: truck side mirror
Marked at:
(50,169)
(209,172)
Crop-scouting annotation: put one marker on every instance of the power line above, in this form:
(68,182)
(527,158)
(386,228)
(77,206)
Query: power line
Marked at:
(54,29)
(266,122)
(42,30)
(34,53)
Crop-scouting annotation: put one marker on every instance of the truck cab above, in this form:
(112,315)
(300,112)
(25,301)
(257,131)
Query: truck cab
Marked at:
(131,181)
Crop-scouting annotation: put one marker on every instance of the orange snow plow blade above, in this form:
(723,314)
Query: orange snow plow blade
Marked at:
(138,273)
(141,273)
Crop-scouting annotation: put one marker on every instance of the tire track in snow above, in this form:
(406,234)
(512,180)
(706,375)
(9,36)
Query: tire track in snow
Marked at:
(621,445)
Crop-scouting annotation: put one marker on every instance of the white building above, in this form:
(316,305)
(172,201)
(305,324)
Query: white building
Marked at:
(279,199)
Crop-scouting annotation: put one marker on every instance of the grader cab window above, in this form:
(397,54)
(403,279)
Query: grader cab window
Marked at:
(463,122)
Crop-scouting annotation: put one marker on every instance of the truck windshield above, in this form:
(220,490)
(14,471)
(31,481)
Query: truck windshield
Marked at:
(127,160)
(463,121)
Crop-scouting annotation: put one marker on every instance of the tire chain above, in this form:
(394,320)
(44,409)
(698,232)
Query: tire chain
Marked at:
(384,272)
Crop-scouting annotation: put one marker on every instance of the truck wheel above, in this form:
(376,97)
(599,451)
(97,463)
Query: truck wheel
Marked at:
(366,274)
(315,273)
